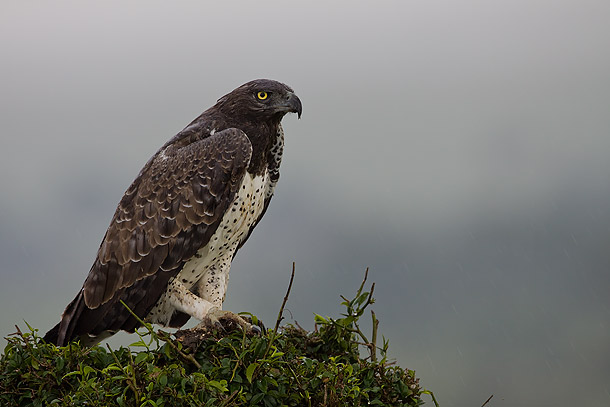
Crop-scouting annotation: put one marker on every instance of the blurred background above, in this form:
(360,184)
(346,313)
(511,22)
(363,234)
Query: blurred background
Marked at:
(460,150)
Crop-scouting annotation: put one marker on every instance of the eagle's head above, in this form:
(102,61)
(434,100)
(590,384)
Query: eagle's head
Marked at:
(261,99)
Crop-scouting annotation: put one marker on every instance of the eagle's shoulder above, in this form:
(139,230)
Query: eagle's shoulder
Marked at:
(170,210)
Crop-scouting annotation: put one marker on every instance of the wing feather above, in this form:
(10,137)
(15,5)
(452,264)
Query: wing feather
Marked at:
(179,196)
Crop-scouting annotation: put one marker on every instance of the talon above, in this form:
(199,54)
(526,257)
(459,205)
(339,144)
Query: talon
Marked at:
(218,325)
(227,321)
(257,329)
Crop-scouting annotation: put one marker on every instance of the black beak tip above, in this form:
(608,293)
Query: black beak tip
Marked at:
(295,105)
(299,108)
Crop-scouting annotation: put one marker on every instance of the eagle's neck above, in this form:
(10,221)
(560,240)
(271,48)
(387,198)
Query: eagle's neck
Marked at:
(264,137)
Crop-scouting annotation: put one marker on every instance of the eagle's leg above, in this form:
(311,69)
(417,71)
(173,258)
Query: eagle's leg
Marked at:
(183,299)
(209,313)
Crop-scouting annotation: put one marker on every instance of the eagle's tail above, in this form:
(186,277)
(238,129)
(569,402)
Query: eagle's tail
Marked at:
(51,336)
(63,332)
(92,325)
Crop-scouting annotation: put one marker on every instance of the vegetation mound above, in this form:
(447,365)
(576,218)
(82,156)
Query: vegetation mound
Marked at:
(282,367)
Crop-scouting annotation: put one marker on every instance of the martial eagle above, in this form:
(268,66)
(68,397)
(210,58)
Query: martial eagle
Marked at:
(169,246)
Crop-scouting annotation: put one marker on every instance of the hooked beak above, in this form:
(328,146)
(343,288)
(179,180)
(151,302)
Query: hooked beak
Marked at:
(292,104)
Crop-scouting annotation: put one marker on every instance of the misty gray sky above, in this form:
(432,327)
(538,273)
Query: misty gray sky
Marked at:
(458,149)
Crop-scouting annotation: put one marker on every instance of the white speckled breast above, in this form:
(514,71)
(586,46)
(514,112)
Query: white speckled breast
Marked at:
(232,230)
(207,273)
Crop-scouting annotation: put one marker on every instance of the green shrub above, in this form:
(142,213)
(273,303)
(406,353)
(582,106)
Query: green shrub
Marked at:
(282,367)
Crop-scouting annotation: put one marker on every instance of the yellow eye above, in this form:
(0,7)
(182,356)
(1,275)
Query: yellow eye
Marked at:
(262,95)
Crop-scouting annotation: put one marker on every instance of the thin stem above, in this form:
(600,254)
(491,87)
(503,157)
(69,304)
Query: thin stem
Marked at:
(279,315)
(366,274)
(131,385)
(374,340)
(145,324)
(487,400)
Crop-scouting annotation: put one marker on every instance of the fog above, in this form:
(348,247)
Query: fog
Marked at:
(457,149)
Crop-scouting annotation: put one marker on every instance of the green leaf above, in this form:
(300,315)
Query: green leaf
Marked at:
(142,356)
(277,354)
(76,372)
(163,380)
(87,370)
(258,397)
(35,364)
(250,371)
(113,368)
(349,370)
(362,298)
(320,319)
(220,385)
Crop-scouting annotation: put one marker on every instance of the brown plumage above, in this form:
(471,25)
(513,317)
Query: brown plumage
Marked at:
(170,236)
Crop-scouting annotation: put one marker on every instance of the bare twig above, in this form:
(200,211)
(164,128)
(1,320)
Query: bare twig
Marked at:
(280,315)
(299,326)
(366,275)
(487,401)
